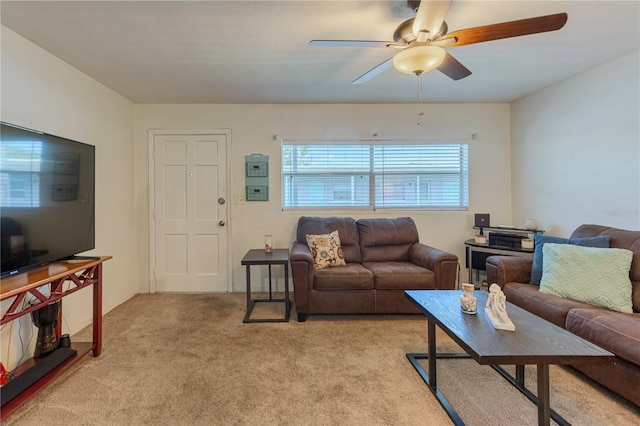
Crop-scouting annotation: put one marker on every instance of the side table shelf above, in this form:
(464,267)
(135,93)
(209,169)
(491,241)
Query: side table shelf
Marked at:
(80,274)
(477,253)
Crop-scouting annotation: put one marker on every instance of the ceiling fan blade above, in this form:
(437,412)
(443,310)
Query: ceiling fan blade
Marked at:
(355,43)
(378,69)
(518,28)
(453,69)
(429,18)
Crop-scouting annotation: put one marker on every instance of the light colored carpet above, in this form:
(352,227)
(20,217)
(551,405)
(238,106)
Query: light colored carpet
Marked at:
(172,359)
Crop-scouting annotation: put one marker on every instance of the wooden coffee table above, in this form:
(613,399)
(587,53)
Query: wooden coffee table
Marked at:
(535,341)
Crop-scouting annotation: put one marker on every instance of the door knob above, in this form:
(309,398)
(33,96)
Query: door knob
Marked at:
(221,201)
(221,223)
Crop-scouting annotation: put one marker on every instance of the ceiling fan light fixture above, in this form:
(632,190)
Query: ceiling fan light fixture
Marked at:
(419,59)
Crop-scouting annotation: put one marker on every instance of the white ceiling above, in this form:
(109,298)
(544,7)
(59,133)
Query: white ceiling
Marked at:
(258,51)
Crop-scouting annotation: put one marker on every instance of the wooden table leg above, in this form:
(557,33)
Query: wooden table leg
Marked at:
(248,278)
(287,302)
(544,410)
(97,311)
(58,328)
(431,347)
(520,375)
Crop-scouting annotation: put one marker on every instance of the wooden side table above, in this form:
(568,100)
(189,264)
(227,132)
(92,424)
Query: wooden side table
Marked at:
(260,257)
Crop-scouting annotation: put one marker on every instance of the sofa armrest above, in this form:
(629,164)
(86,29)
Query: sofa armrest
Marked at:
(504,269)
(443,264)
(301,252)
(302,272)
(302,265)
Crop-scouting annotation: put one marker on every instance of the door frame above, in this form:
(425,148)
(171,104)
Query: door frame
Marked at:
(151,134)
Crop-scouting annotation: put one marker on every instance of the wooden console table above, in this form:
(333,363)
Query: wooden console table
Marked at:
(80,273)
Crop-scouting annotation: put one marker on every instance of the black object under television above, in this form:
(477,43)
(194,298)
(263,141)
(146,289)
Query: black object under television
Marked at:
(47,198)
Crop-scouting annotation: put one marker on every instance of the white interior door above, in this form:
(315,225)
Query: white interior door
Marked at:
(190,213)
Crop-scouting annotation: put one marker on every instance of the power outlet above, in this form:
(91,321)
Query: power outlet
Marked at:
(239,199)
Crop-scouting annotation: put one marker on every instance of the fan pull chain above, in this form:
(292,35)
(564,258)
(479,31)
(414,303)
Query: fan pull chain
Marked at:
(420,109)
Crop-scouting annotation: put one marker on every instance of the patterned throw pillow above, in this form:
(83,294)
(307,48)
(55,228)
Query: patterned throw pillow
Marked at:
(326,250)
(598,276)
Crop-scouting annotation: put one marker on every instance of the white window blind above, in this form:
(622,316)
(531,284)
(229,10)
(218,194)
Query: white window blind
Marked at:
(21,163)
(375,175)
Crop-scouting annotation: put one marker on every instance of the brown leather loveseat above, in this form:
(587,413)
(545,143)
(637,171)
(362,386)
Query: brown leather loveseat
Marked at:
(383,258)
(614,331)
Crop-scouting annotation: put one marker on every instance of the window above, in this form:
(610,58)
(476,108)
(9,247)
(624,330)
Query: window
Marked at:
(20,162)
(375,175)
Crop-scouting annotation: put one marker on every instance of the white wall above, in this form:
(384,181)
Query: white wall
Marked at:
(41,92)
(253,128)
(576,150)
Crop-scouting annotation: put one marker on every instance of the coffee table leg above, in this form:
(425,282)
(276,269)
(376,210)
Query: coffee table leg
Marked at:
(544,410)
(431,347)
(430,377)
(520,375)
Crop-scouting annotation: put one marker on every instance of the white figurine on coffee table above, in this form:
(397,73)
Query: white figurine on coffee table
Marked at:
(496,309)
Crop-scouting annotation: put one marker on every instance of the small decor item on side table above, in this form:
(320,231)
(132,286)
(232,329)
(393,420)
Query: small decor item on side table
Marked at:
(468,299)
(496,309)
(268,244)
(531,224)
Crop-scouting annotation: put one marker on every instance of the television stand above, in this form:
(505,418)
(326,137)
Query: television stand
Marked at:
(79,274)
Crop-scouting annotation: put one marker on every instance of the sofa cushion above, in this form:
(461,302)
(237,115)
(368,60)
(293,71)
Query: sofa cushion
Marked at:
(385,240)
(620,238)
(552,308)
(326,250)
(353,276)
(346,227)
(538,256)
(614,331)
(591,275)
(401,275)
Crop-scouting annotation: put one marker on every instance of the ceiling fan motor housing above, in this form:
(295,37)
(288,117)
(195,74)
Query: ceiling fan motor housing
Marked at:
(404,32)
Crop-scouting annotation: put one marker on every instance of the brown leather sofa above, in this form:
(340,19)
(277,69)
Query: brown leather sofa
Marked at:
(617,332)
(384,258)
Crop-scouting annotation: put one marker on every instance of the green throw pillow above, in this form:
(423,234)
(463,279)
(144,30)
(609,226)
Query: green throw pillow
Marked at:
(598,276)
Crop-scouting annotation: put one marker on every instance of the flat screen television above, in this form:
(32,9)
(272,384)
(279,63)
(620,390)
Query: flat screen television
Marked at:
(47,198)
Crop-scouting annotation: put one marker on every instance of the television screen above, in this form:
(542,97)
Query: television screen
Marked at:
(47,203)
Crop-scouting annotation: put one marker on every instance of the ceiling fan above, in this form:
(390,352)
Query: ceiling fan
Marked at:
(423,39)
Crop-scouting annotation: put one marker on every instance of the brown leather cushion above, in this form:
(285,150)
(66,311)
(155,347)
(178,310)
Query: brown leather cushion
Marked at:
(346,227)
(401,275)
(552,308)
(620,238)
(383,240)
(353,276)
(614,331)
